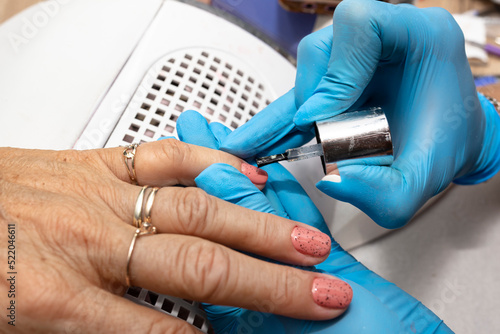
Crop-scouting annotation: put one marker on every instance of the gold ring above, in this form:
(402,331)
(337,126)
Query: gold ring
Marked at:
(129,159)
(138,207)
(145,229)
(149,205)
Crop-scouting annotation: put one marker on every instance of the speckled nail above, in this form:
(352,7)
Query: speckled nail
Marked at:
(256,175)
(331,293)
(309,242)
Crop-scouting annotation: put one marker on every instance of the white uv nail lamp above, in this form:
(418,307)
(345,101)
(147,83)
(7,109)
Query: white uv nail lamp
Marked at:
(89,74)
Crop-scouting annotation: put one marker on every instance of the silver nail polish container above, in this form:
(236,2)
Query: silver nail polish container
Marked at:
(353,135)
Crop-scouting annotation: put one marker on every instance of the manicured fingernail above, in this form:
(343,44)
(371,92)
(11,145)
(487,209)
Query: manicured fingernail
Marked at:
(256,175)
(333,176)
(331,293)
(309,242)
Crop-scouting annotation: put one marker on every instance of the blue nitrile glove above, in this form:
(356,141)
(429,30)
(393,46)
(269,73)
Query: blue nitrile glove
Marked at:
(412,63)
(377,306)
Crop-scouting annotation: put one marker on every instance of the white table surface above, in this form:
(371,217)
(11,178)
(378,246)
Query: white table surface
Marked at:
(448,258)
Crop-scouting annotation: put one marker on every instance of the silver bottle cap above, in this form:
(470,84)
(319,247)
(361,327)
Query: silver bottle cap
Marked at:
(354,135)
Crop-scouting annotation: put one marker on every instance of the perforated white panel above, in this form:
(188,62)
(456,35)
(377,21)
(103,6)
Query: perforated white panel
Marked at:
(181,308)
(221,87)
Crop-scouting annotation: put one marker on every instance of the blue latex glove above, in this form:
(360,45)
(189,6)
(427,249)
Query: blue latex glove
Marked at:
(412,63)
(377,307)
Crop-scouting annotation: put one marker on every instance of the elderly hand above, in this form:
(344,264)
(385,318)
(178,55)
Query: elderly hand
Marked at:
(412,63)
(378,306)
(73,213)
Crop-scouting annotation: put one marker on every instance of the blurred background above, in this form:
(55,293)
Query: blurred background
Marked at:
(480,20)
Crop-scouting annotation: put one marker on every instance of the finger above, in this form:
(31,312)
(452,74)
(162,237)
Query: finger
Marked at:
(171,162)
(98,311)
(296,203)
(282,195)
(220,131)
(192,128)
(214,181)
(241,192)
(191,211)
(196,269)
(264,130)
(313,57)
(270,192)
(356,51)
(370,188)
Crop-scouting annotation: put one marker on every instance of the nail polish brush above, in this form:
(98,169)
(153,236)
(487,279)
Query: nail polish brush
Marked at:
(350,135)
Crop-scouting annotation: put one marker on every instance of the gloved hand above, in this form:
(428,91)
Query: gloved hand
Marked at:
(377,305)
(412,63)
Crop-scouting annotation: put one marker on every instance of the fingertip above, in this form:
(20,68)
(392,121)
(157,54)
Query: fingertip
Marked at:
(311,242)
(302,119)
(256,175)
(220,131)
(331,293)
(235,144)
(222,171)
(346,184)
(318,107)
(191,115)
(325,186)
(332,177)
(260,186)
(193,128)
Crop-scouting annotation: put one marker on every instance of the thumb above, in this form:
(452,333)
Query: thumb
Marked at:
(381,192)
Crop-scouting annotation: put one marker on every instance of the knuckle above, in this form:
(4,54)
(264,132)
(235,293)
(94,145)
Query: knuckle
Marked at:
(267,228)
(440,14)
(205,270)
(444,29)
(306,44)
(355,11)
(193,210)
(440,21)
(173,150)
(284,286)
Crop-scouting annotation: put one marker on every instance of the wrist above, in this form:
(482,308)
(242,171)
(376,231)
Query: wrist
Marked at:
(488,162)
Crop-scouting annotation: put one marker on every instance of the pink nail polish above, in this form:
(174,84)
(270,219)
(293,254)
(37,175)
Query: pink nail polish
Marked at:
(309,242)
(256,175)
(331,293)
